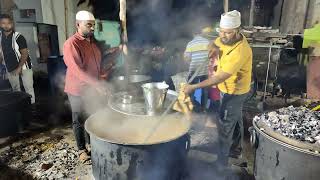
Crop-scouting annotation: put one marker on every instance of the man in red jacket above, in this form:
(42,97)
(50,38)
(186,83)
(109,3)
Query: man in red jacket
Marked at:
(83,59)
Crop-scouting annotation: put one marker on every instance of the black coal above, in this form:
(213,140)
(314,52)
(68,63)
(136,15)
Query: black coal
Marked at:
(299,123)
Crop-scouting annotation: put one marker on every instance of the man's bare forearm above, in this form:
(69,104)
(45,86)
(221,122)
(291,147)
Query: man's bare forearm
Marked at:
(23,60)
(24,57)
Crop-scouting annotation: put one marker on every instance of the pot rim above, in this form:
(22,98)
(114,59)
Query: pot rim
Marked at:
(290,143)
(133,115)
(139,144)
(130,77)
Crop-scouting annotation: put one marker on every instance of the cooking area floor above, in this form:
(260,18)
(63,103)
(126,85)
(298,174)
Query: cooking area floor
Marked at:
(52,154)
(47,149)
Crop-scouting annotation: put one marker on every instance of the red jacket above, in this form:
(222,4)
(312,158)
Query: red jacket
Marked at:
(83,59)
(214,93)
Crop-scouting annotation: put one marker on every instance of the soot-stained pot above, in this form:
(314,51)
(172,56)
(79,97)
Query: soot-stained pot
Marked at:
(119,150)
(280,158)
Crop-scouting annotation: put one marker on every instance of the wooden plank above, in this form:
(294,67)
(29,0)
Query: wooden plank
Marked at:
(313,13)
(226,5)
(252,7)
(293,16)
(123,20)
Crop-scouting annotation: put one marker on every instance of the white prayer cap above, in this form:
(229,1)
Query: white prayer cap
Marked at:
(230,20)
(84,16)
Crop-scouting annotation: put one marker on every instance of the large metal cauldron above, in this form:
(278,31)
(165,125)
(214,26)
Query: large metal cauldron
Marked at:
(120,153)
(280,158)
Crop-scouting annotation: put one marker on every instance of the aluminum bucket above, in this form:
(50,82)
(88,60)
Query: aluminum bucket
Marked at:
(154,96)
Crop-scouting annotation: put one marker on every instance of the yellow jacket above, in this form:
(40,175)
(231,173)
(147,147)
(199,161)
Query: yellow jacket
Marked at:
(236,60)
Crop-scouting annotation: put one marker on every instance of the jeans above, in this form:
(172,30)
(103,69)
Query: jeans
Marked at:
(230,126)
(78,120)
(204,93)
(27,80)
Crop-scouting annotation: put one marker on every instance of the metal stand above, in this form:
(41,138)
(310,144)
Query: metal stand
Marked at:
(267,73)
(261,105)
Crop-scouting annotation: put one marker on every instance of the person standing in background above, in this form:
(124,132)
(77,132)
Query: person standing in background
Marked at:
(196,54)
(15,57)
(83,60)
(213,92)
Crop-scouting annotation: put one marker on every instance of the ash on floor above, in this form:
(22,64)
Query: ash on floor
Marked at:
(40,155)
(50,155)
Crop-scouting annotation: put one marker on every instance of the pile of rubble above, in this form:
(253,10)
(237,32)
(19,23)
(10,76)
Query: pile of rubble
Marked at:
(299,123)
(51,159)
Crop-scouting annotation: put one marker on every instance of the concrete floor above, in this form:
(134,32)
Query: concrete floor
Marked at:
(200,162)
(201,157)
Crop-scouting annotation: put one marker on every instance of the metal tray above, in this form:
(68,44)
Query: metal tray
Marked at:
(137,107)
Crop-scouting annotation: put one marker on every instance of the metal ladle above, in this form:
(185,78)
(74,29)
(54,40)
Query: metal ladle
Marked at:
(172,103)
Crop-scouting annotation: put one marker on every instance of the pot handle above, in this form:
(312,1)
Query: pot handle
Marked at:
(253,137)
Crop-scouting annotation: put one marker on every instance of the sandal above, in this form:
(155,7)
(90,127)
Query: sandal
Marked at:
(88,147)
(84,158)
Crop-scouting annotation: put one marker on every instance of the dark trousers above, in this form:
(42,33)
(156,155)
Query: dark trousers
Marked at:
(214,106)
(204,93)
(78,120)
(230,126)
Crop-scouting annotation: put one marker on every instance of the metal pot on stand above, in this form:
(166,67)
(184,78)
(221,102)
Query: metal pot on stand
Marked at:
(118,149)
(129,83)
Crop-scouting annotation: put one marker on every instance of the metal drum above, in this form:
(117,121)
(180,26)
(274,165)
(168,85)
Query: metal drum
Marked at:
(15,112)
(119,150)
(280,158)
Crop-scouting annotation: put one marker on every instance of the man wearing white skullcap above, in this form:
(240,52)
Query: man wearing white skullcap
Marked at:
(82,58)
(233,78)
(84,16)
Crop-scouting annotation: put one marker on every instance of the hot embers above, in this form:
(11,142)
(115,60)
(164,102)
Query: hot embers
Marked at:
(298,123)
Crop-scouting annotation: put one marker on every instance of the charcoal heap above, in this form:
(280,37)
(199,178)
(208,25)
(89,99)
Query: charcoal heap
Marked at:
(299,123)
(45,160)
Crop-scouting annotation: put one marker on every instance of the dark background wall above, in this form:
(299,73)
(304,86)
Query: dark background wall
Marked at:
(158,21)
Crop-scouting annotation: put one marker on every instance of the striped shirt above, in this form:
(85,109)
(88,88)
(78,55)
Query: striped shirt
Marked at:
(197,51)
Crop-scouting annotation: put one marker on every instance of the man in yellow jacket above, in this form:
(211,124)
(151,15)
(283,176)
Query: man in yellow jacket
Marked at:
(233,78)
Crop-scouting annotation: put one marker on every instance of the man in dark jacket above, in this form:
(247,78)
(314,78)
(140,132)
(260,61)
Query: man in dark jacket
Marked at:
(15,57)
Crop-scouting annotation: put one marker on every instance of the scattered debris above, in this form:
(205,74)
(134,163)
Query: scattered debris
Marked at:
(45,166)
(51,159)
